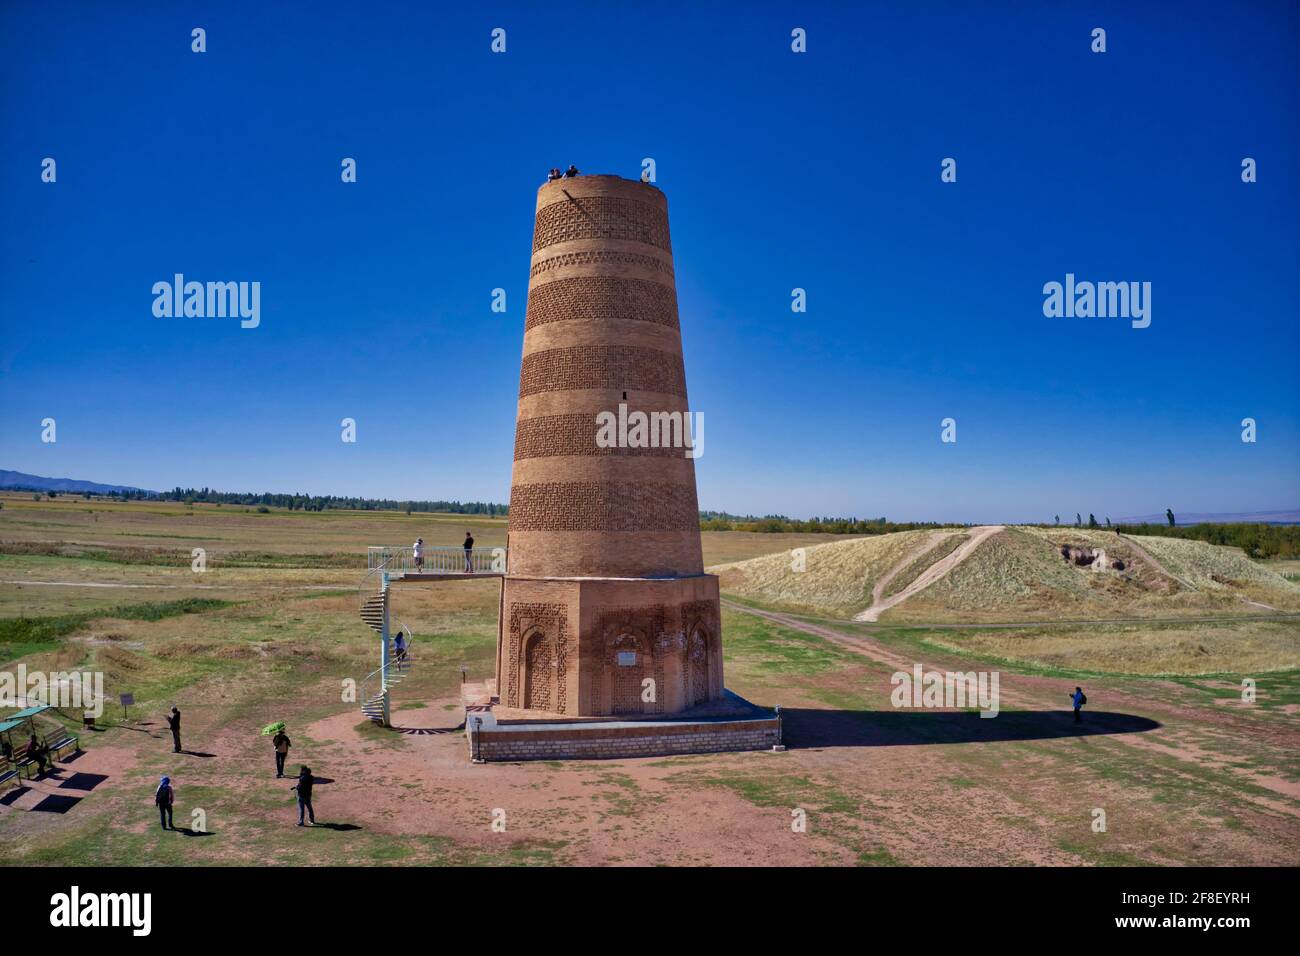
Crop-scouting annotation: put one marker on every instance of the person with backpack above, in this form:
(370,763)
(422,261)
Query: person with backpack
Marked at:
(282,744)
(303,786)
(1079,698)
(163,798)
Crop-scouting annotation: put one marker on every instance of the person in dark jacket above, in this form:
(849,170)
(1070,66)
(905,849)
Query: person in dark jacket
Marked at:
(174,722)
(303,786)
(469,552)
(282,744)
(36,751)
(164,797)
(571,171)
(1078,699)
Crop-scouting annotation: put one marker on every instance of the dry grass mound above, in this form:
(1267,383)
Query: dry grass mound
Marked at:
(836,578)
(1017,574)
(1222,570)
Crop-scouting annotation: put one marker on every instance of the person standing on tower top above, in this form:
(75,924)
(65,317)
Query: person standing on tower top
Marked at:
(417,552)
(469,552)
(553,175)
(571,171)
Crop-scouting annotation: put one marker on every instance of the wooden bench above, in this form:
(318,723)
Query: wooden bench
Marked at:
(64,741)
(11,777)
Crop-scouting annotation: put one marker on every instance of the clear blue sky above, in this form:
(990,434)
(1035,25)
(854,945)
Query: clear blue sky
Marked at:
(818,170)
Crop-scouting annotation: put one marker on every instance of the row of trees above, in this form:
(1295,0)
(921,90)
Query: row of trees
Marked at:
(776,524)
(305,502)
(1092,520)
(1257,540)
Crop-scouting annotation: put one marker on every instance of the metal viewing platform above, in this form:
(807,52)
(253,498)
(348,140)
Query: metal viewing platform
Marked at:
(402,563)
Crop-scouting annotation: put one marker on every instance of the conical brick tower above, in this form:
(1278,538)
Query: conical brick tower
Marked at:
(606,609)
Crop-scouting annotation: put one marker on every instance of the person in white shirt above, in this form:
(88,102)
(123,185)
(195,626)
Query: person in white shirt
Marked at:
(417,551)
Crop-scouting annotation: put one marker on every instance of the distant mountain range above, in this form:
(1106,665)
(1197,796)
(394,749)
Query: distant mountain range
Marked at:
(18,481)
(1216,517)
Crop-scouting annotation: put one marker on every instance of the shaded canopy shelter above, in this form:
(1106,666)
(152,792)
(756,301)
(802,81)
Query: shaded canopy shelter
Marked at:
(30,712)
(14,720)
(8,725)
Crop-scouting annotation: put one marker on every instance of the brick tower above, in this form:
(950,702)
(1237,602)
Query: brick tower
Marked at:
(605,586)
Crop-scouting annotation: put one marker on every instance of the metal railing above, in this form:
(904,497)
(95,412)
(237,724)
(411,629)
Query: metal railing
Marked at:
(402,560)
(373,683)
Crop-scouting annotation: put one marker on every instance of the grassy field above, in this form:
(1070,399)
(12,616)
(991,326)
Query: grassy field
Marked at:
(1187,771)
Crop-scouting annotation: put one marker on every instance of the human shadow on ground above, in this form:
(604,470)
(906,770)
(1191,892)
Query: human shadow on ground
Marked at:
(894,728)
(336,826)
(190,832)
(197,753)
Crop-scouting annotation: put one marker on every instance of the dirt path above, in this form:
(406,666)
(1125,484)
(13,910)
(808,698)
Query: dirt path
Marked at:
(1145,555)
(879,604)
(1056,622)
(932,539)
(1183,730)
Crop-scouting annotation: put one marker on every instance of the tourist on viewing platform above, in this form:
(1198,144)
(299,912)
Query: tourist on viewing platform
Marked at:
(417,551)
(282,744)
(571,171)
(174,722)
(553,175)
(303,786)
(469,552)
(1078,698)
(163,798)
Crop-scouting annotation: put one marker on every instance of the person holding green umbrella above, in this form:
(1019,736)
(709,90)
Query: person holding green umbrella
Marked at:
(280,742)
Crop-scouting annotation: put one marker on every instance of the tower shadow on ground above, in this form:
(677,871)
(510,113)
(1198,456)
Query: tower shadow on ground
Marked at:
(805,728)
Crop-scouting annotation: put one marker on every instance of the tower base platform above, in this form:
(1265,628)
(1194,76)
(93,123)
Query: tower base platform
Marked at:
(498,734)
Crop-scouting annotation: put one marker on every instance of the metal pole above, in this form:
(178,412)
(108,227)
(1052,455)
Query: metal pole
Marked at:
(383,652)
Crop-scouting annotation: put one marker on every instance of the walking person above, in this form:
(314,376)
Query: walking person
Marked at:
(303,786)
(417,552)
(164,797)
(282,744)
(1078,698)
(469,552)
(174,722)
(399,648)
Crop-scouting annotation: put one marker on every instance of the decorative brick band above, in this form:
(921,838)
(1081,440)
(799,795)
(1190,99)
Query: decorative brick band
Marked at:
(602,257)
(601,217)
(604,506)
(602,298)
(603,366)
(550,436)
